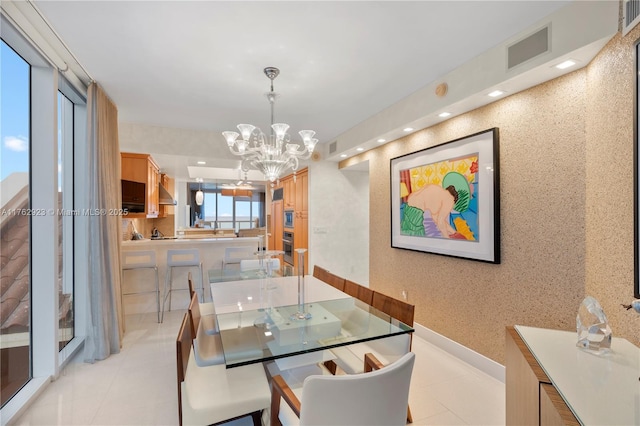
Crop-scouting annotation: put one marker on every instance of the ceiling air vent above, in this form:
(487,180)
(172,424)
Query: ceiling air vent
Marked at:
(631,11)
(528,48)
(333,147)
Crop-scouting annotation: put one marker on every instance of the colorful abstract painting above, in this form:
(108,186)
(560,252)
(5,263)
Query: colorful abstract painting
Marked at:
(444,199)
(439,200)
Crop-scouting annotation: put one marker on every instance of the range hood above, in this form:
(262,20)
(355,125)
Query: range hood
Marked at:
(164,198)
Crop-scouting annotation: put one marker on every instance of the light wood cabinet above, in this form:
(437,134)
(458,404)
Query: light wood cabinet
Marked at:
(301,217)
(294,197)
(142,168)
(168,183)
(289,193)
(531,399)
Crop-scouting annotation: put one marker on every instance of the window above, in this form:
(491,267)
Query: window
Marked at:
(42,310)
(15,327)
(65,219)
(228,212)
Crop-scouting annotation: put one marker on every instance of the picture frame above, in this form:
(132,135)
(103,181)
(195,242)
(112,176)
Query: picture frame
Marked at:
(445,199)
(636,174)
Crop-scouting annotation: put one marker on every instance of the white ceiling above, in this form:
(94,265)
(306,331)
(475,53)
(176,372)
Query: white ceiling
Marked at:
(198,65)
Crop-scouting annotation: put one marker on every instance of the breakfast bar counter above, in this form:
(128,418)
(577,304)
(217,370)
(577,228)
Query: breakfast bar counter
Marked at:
(139,282)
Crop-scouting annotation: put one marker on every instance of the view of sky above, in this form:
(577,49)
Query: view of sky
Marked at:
(14,113)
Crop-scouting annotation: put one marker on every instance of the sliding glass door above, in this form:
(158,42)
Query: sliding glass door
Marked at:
(15,223)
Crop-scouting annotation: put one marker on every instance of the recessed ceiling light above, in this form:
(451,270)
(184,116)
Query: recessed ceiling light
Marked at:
(496,93)
(381,140)
(202,162)
(566,64)
(359,149)
(444,114)
(343,156)
(407,129)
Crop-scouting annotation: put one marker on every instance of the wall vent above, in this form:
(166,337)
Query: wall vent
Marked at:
(333,147)
(631,15)
(528,48)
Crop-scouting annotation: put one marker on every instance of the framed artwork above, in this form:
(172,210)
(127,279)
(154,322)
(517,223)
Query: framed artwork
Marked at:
(446,200)
(636,174)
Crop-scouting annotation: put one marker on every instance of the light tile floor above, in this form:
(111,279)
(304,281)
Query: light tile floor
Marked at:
(138,385)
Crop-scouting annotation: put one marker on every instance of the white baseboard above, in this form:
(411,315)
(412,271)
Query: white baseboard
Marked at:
(471,357)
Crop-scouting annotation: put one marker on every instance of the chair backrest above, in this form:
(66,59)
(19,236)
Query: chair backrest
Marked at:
(183,349)
(192,288)
(195,315)
(380,397)
(254,264)
(183,257)
(395,308)
(236,254)
(328,277)
(358,291)
(138,259)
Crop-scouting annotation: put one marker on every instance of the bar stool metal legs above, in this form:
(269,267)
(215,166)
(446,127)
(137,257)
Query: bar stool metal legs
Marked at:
(180,258)
(141,260)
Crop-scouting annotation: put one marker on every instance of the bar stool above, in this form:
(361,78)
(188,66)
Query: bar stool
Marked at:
(141,260)
(181,258)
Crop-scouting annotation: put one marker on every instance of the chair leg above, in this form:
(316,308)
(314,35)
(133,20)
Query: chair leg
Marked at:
(409,416)
(331,366)
(257,418)
(166,293)
(158,295)
(170,286)
(201,283)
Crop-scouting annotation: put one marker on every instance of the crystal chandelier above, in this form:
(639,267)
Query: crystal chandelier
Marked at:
(272,154)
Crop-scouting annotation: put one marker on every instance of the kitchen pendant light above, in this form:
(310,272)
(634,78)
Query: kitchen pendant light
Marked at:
(199,196)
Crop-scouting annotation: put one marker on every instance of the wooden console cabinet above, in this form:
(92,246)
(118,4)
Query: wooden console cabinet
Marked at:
(531,397)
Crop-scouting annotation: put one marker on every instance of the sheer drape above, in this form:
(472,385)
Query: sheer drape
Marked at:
(104,319)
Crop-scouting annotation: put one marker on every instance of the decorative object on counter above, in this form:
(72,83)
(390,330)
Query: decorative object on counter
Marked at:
(271,154)
(156,235)
(594,333)
(136,235)
(301,314)
(635,305)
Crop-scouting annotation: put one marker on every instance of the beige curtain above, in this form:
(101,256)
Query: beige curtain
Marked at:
(105,325)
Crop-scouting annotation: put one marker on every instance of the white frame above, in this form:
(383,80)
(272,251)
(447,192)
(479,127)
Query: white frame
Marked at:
(488,248)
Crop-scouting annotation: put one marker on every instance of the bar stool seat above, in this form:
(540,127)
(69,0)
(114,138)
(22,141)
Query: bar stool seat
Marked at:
(181,258)
(146,259)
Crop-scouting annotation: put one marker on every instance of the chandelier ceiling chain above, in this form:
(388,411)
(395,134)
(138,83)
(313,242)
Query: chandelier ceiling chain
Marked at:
(271,154)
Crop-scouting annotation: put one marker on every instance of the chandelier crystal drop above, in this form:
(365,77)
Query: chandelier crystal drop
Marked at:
(272,154)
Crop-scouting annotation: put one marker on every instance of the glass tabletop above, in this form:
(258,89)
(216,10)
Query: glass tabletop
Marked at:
(259,335)
(231,274)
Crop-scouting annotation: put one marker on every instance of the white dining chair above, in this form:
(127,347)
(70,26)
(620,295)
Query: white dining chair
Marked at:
(233,255)
(255,264)
(378,397)
(213,394)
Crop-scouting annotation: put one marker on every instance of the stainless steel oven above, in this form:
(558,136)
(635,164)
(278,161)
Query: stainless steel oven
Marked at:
(287,247)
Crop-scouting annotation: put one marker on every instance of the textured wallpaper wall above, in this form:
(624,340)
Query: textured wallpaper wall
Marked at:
(566,172)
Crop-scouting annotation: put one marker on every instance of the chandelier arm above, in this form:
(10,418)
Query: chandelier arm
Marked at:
(272,154)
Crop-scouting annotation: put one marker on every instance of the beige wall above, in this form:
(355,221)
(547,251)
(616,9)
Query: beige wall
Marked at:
(566,192)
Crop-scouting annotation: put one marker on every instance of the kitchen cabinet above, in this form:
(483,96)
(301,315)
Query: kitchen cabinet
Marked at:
(289,194)
(142,168)
(168,184)
(301,217)
(295,197)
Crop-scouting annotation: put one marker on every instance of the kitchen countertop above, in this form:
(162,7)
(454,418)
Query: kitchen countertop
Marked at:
(210,239)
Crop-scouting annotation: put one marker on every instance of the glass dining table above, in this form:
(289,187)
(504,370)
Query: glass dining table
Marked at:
(255,319)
